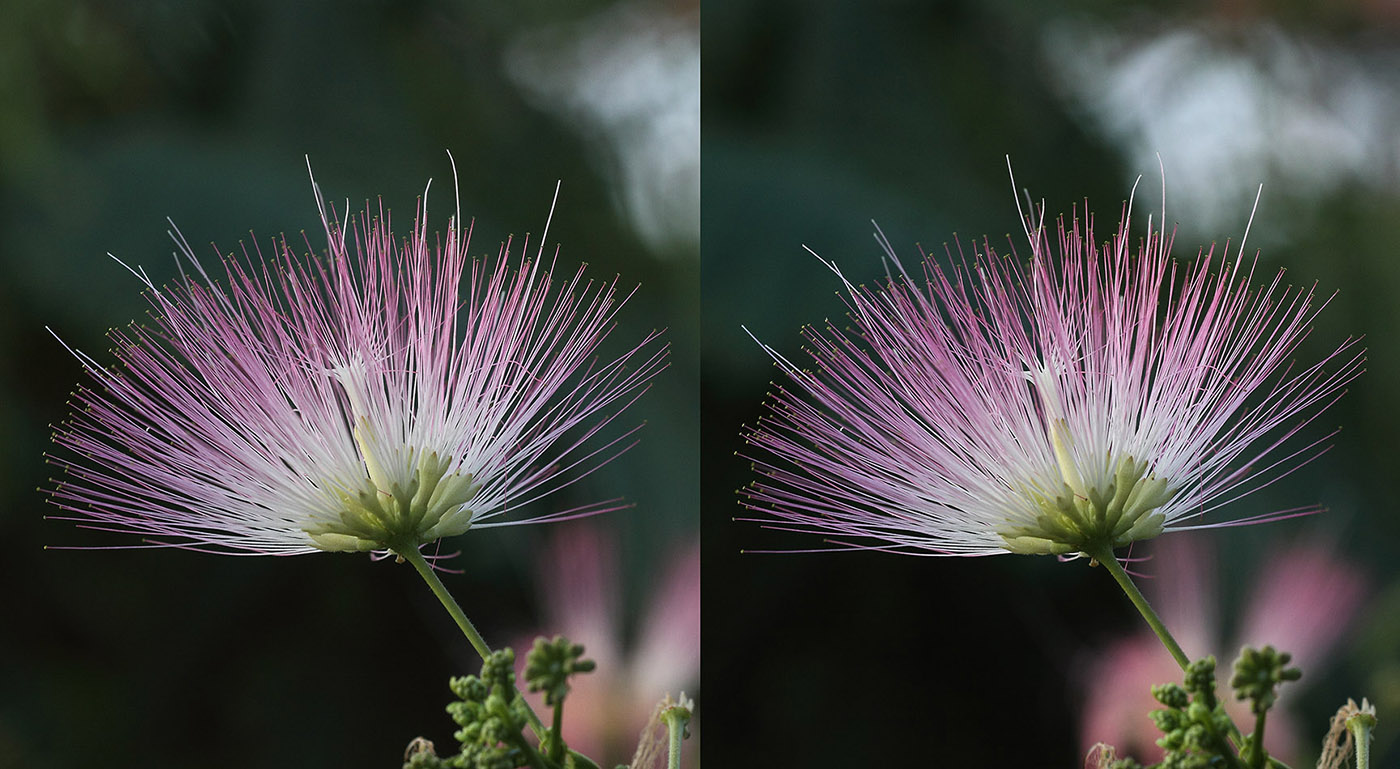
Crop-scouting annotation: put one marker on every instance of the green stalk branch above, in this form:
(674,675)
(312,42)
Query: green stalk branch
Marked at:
(677,716)
(411,554)
(414,557)
(556,748)
(1360,725)
(673,755)
(1258,756)
(1104,557)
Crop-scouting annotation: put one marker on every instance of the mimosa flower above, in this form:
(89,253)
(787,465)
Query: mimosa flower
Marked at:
(1064,403)
(363,400)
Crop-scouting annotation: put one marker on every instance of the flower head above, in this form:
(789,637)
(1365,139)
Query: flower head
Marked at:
(1065,403)
(363,400)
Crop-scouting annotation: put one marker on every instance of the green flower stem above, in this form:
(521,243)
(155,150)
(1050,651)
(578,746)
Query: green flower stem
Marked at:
(414,557)
(677,717)
(556,748)
(677,733)
(1363,753)
(532,756)
(1360,726)
(1104,556)
(1258,756)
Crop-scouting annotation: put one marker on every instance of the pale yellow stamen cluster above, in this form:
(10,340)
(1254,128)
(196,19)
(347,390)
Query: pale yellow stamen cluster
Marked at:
(1079,517)
(1070,522)
(382,512)
(429,507)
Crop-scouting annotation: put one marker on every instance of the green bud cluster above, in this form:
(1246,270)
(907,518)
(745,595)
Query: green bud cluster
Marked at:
(1197,733)
(493,717)
(550,663)
(1258,672)
(490,724)
(1200,678)
(1171,695)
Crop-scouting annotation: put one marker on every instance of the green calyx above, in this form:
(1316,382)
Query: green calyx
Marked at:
(1080,521)
(430,506)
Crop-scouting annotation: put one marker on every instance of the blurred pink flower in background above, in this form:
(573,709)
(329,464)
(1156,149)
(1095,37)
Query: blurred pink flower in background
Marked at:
(1302,600)
(581,589)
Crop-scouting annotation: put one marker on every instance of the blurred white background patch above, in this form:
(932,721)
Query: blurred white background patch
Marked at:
(628,79)
(1231,106)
